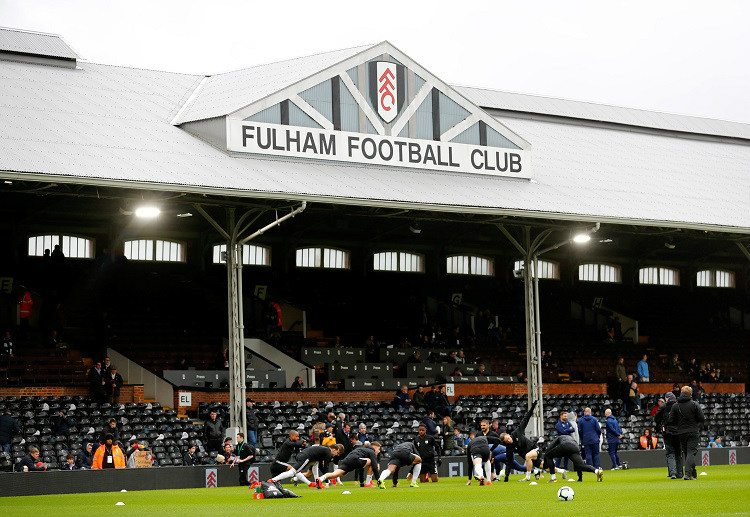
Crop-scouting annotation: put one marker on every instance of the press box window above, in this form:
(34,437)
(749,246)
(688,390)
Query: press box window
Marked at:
(599,273)
(72,247)
(398,261)
(325,258)
(715,278)
(659,276)
(547,269)
(470,265)
(150,250)
(252,255)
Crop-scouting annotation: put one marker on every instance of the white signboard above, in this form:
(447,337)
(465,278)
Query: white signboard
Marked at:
(450,390)
(186,399)
(321,144)
(387,91)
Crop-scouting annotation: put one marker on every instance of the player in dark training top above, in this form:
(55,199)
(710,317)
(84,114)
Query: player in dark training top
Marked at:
(517,443)
(309,457)
(478,458)
(360,459)
(429,450)
(403,454)
(565,446)
(291,445)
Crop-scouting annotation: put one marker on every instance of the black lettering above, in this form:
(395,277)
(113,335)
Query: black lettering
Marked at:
(504,167)
(276,147)
(473,162)
(365,153)
(352,144)
(268,141)
(385,143)
(400,146)
(328,147)
(429,154)
(309,144)
(440,157)
(415,153)
(290,139)
(515,162)
(450,158)
(246,134)
(487,165)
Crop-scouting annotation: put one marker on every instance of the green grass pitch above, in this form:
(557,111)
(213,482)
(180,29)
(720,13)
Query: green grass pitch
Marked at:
(638,493)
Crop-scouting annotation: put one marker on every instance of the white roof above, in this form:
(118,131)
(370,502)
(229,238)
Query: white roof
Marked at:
(496,99)
(225,93)
(109,125)
(36,43)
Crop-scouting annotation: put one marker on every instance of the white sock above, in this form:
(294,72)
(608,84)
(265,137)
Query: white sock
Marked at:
(528,475)
(561,471)
(315,471)
(478,470)
(415,473)
(384,475)
(324,477)
(553,477)
(502,473)
(368,479)
(285,475)
(301,478)
(487,470)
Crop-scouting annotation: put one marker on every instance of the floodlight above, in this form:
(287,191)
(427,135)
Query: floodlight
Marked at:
(582,238)
(147,212)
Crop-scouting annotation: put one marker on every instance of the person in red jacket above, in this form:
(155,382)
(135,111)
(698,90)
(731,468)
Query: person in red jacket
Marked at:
(25,302)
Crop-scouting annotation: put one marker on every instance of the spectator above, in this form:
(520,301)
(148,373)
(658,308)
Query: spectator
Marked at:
(697,387)
(675,363)
(213,432)
(447,431)
(106,365)
(457,372)
(419,399)
(245,457)
(251,419)
(469,438)
(25,302)
(31,463)
(563,428)
(362,435)
(573,419)
(643,369)
(590,431)
(717,376)
(521,376)
(415,358)
(190,459)
(114,383)
(401,400)
(111,429)
(659,404)
(495,426)
(715,443)
(622,378)
(7,344)
(442,404)
(687,417)
(183,364)
(85,457)
(227,457)
(460,359)
(676,390)
(274,320)
(479,372)
(70,463)
(452,357)
(692,369)
(486,430)
(227,441)
(96,382)
(675,468)
(429,422)
(430,398)
(614,435)
(634,400)
(298,384)
(54,340)
(58,257)
(108,455)
(9,426)
(61,423)
(648,440)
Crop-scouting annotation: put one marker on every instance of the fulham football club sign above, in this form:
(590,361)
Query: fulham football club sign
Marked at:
(387,91)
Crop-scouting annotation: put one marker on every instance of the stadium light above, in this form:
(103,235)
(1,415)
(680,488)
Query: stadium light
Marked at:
(147,212)
(582,238)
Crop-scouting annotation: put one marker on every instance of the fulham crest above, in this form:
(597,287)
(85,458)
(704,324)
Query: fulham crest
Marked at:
(387,90)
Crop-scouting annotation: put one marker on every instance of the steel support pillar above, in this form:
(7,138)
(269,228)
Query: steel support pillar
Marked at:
(235,309)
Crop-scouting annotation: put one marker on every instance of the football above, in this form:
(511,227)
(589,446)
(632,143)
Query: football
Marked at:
(565,493)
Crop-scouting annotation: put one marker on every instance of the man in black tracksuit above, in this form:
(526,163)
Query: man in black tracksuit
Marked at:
(310,457)
(672,449)
(290,446)
(517,443)
(213,432)
(429,450)
(686,417)
(565,446)
(402,455)
(358,460)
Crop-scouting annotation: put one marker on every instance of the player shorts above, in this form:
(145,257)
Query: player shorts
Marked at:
(481,452)
(402,459)
(352,464)
(429,467)
(302,465)
(277,467)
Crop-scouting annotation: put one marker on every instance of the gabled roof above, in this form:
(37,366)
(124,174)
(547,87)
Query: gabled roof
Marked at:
(519,102)
(222,94)
(35,43)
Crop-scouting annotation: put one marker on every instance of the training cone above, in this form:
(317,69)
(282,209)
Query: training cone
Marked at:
(123,490)
(533,483)
(346,492)
(704,473)
(120,504)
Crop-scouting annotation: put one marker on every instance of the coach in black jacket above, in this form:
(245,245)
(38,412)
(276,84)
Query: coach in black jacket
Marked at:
(671,440)
(687,418)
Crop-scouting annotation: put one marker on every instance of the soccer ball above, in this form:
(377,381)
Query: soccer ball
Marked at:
(565,493)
